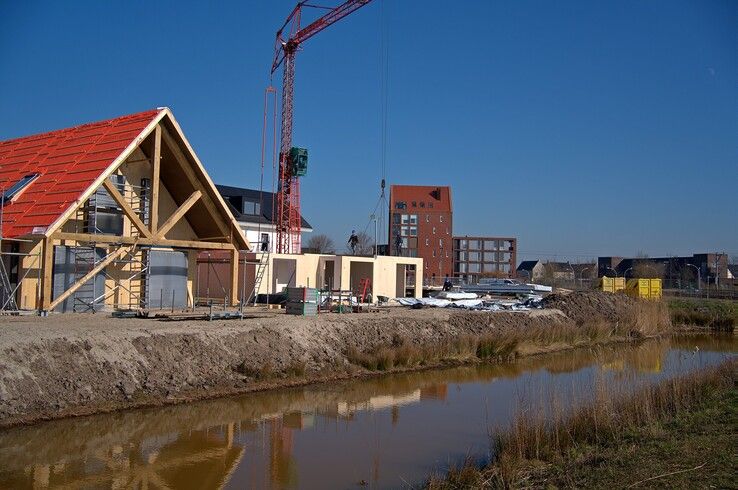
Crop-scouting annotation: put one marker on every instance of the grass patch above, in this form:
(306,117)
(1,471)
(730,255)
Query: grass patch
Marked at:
(714,314)
(684,429)
(648,318)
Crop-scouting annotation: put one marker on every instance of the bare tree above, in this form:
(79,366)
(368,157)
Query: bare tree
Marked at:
(365,245)
(322,244)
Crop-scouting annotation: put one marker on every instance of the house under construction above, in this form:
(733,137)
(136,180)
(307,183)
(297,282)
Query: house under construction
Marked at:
(109,214)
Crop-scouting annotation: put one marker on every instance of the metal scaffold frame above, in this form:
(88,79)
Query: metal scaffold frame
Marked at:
(134,259)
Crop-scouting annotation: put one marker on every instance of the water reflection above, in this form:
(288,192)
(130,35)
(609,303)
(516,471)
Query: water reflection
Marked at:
(380,431)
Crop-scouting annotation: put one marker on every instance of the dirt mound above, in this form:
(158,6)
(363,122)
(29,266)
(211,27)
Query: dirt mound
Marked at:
(583,306)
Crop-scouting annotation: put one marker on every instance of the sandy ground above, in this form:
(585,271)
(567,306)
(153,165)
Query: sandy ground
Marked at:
(75,364)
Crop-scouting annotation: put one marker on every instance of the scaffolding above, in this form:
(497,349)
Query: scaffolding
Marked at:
(100,214)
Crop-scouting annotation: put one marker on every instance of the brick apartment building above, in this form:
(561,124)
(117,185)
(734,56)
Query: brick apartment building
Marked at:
(420,225)
(479,257)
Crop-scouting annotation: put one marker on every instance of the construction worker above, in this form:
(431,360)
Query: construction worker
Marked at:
(447,284)
(353,241)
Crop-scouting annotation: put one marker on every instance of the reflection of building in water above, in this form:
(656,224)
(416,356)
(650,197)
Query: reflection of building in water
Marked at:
(282,466)
(346,409)
(434,392)
(645,358)
(200,459)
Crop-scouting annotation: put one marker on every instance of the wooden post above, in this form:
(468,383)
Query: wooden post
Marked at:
(234,276)
(156,164)
(47,275)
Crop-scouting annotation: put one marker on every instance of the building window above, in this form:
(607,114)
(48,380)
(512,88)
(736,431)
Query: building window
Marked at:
(434,230)
(400,205)
(447,232)
(475,245)
(430,204)
(413,219)
(462,244)
(251,208)
(446,253)
(18,187)
(427,218)
(474,256)
(396,218)
(440,242)
(434,252)
(427,242)
(413,231)
(441,218)
(414,204)
(422,204)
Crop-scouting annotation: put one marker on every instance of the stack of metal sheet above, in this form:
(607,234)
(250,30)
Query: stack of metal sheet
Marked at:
(302,301)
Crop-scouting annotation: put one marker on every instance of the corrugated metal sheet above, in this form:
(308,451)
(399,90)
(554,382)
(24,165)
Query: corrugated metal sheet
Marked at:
(68,161)
(167,279)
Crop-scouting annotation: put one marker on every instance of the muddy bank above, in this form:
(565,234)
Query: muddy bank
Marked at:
(69,365)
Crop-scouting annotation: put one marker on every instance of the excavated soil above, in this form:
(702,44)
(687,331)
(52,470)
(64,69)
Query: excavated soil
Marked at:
(74,364)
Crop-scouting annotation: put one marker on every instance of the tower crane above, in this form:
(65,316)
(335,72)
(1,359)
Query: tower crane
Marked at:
(293,161)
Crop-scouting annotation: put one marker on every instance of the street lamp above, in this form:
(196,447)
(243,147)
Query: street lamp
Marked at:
(625,274)
(581,276)
(616,272)
(698,275)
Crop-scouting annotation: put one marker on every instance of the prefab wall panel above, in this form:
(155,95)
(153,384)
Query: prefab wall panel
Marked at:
(167,279)
(71,263)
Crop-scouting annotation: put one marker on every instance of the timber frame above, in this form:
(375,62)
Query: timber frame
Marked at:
(193,204)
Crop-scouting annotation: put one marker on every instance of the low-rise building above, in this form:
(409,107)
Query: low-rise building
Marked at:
(530,270)
(676,271)
(254,210)
(480,257)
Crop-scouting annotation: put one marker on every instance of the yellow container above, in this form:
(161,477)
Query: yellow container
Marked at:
(644,288)
(611,284)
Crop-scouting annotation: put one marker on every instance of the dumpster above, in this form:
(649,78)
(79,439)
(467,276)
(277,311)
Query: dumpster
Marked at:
(645,288)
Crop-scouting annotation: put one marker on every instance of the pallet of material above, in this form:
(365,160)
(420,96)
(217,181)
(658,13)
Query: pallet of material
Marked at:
(302,301)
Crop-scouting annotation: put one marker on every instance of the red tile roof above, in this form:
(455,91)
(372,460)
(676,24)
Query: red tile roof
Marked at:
(440,196)
(68,161)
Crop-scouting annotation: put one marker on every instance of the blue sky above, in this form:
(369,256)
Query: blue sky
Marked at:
(583,128)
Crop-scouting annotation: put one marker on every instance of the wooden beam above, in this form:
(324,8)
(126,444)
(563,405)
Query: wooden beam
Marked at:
(100,266)
(234,277)
(178,214)
(47,274)
(216,213)
(156,167)
(132,215)
(153,241)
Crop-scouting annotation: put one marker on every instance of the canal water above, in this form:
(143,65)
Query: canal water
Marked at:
(386,432)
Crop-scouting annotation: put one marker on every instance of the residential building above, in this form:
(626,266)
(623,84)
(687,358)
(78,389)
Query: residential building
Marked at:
(110,214)
(420,225)
(530,270)
(478,257)
(254,211)
(676,272)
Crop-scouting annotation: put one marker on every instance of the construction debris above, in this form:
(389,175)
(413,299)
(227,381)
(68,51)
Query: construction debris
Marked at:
(532,302)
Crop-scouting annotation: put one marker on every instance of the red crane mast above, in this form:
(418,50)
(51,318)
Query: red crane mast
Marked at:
(289,38)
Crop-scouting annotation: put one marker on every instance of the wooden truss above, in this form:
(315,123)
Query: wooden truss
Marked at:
(152,233)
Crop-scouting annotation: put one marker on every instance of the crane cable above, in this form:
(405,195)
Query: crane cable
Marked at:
(382,204)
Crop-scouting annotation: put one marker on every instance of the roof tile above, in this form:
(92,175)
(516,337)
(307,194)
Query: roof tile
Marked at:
(68,161)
